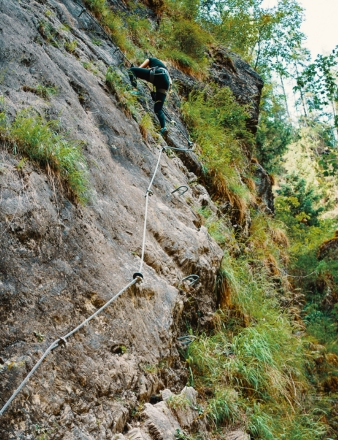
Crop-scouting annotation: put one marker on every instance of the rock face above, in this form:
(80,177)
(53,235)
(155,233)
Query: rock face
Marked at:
(169,418)
(230,70)
(329,249)
(263,188)
(60,261)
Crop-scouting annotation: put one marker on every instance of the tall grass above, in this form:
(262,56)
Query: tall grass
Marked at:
(31,135)
(113,24)
(119,87)
(256,373)
(253,364)
(218,125)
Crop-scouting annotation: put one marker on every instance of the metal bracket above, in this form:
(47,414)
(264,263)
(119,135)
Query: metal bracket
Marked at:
(193,278)
(83,10)
(181,190)
(63,341)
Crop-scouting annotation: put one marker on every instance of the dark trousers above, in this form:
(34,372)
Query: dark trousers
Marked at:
(160,82)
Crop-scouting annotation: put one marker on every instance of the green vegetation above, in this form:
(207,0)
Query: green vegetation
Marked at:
(49,33)
(97,42)
(147,126)
(184,43)
(119,87)
(71,46)
(64,28)
(45,92)
(32,136)
(275,132)
(218,125)
(271,354)
(178,402)
(90,67)
(253,364)
(181,435)
(113,24)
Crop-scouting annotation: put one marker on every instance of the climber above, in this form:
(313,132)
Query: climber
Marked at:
(158,75)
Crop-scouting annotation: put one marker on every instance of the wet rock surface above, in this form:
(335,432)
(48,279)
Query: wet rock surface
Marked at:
(61,261)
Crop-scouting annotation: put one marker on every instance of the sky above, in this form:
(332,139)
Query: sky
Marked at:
(320,24)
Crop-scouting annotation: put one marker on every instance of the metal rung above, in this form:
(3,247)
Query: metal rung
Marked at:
(180,190)
(178,149)
(186,337)
(193,278)
(83,10)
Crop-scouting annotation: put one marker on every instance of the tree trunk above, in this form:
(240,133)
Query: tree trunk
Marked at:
(285,97)
(301,95)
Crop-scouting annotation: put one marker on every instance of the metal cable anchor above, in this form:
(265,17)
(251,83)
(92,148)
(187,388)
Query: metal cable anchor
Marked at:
(63,341)
(138,275)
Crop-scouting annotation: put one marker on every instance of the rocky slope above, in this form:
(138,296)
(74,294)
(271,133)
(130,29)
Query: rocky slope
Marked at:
(61,261)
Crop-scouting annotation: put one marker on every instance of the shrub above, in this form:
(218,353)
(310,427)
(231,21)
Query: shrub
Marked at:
(185,43)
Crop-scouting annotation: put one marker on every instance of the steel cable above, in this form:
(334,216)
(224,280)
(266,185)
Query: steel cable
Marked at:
(62,339)
(148,194)
(23,383)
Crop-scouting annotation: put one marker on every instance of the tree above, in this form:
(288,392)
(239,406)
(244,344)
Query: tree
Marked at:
(318,81)
(300,201)
(274,132)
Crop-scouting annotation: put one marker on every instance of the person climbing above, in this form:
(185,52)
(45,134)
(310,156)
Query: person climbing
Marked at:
(158,75)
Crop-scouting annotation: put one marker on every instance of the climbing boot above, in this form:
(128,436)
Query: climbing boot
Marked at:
(164,131)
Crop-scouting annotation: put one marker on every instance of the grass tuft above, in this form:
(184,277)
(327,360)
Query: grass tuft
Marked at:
(121,90)
(31,135)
